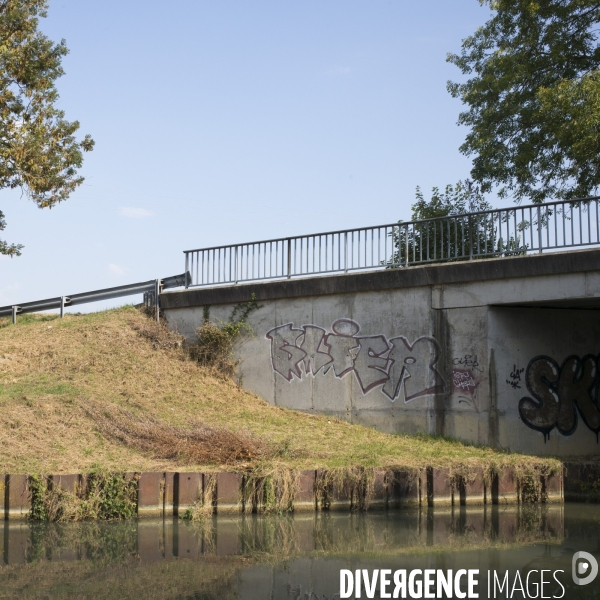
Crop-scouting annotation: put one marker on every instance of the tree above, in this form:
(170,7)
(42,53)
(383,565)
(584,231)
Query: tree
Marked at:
(446,229)
(464,197)
(533,99)
(38,149)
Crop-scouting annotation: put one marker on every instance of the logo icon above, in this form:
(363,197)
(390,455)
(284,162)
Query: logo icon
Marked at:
(585,568)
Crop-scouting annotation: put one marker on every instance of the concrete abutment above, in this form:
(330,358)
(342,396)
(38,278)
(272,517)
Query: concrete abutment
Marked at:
(499,352)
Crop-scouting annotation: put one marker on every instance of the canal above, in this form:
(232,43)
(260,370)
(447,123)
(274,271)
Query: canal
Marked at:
(299,557)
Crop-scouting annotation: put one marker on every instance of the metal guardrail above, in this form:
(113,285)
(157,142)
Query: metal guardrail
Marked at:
(468,236)
(151,290)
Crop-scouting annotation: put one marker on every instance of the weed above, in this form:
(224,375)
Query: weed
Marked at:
(109,496)
(271,489)
(101,496)
(38,489)
(214,346)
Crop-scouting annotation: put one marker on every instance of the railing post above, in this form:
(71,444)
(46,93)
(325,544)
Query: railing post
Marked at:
(470,237)
(539,226)
(187,265)
(14,314)
(289,258)
(62,307)
(406,236)
(235,264)
(345,252)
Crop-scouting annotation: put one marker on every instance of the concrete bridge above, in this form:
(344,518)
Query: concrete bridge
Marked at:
(501,352)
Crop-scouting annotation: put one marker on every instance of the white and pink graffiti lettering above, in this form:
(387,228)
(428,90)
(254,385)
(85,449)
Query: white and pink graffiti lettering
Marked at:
(401,368)
(465,384)
(463,380)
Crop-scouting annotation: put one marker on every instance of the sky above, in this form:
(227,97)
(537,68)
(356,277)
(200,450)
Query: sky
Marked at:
(219,122)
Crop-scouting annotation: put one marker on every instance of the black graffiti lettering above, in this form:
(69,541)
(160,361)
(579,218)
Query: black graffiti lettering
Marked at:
(560,393)
(317,351)
(577,379)
(468,360)
(285,355)
(516,373)
(515,378)
(369,367)
(541,411)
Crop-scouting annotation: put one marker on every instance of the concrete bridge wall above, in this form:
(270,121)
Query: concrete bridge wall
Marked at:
(499,352)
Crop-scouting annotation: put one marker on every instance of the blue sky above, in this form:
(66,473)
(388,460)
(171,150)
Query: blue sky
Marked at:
(231,121)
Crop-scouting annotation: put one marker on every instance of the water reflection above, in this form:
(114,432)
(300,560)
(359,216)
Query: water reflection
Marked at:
(287,557)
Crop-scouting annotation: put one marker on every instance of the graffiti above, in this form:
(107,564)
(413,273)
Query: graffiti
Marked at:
(561,394)
(465,384)
(398,366)
(463,380)
(410,365)
(515,378)
(468,360)
(285,354)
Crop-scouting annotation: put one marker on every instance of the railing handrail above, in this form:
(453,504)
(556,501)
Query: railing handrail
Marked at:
(396,224)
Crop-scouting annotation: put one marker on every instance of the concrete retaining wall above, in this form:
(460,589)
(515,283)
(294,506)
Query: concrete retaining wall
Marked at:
(500,352)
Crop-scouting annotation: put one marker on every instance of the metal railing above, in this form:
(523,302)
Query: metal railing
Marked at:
(485,234)
(151,290)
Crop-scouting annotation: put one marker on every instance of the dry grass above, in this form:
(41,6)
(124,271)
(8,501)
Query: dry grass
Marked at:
(195,444)
(55,373)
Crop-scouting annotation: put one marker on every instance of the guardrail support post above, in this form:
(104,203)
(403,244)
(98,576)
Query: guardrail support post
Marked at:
(156,300)
(62,307)
(14,314)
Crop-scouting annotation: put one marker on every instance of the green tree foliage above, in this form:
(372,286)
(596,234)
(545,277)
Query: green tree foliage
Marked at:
(464,197)
(445,228)
(5,248)
(38,149)
(533,98)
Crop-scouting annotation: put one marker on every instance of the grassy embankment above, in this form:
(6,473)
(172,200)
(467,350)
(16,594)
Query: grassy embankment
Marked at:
(114,391)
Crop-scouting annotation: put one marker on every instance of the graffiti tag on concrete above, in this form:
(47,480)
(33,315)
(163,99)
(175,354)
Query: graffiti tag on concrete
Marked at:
(395,364)
(515,378)
(468,361)
(465,384)
(560,394)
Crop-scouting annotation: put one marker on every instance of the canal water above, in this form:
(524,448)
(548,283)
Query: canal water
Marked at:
(300,557)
